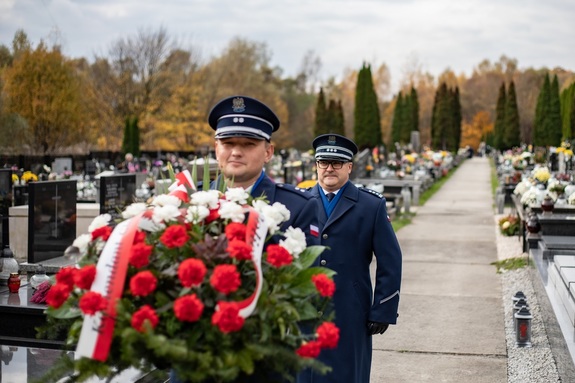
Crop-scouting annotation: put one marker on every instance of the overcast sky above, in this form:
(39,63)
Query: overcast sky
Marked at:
(438,34)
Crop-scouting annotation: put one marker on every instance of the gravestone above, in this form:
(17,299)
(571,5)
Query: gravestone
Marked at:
(51,219)
(62,164)
(5,203)
(116,192)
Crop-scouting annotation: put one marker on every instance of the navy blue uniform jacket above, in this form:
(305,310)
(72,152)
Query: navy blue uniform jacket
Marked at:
(357,229)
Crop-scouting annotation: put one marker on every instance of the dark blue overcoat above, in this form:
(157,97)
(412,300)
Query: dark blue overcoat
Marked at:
(357,229)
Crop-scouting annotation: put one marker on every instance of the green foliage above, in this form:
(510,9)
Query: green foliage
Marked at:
(511,135)
(446,119)
(367,125)
(554,125)
(510,264)
(499,126)
(567,102)
(321,117)
(540,133)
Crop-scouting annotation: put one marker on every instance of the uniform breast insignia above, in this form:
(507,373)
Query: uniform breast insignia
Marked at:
(373,192)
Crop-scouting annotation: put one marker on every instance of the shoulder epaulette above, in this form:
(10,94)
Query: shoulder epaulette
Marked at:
(372,192)
(291,188)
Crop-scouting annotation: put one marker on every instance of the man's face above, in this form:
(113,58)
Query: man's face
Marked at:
(242,159)
(333,179)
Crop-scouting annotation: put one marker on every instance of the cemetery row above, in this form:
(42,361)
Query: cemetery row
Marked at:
(541,193)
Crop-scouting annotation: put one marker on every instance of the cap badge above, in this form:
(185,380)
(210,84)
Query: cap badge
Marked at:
(238,105)
(331,140)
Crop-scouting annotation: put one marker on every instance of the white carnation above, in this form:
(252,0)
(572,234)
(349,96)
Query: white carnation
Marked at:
(134,209)
(238,195)
(197,214)
(166,200)
(81,242)
(275,214)
(99,221)
(209,199)
(232,211)
(294,241)
(165,214)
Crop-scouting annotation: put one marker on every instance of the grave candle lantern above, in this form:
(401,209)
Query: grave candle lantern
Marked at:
(523,327)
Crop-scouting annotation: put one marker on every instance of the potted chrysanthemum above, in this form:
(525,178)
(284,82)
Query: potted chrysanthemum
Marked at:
(191,285)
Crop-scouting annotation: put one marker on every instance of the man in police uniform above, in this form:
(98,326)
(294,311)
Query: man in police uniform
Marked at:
(244,128)
(355,226)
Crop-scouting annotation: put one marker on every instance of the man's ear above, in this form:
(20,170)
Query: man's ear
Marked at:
(269,152)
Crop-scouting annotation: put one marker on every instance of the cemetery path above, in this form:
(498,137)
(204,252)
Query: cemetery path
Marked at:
(451,318)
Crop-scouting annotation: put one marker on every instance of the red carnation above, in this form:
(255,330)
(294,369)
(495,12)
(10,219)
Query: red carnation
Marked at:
(324,285)
(239,250)
(139,237)
(92,302)
(84,277)
(236,230)
(140,256)
(214,214)
(278,256)
(143,283)
(188,308)
(146,313)
(309,349)
(192,272)
(328,335)
(225,279)
(66,276)
(227,317)
(57,295)
(102,232)
(175,236)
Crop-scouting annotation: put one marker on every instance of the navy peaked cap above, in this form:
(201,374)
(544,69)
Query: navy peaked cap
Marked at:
(241,116)
(334,147)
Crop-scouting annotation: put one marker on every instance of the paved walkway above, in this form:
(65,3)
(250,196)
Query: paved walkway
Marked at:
(451,319)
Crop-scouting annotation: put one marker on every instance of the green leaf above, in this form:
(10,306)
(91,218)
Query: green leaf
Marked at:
(245,361)
(66,311)
(206,179)
(309,255)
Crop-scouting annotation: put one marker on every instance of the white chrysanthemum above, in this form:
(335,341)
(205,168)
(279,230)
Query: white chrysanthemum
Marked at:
(166,200)
(294,241)
(522,187)
(529,197)
(99,221)
(571,199)
(197,214)
(238,195)
(165,213)
(231,211)
(81,242)
(134,209)
(208,198)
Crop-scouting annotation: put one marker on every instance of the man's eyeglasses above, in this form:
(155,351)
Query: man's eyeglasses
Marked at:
(336,165)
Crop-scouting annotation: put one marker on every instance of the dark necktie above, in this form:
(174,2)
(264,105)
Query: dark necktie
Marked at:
(329,196)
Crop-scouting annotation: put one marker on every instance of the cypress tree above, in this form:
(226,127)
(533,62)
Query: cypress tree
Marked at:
(396,124)
(541,111)
(406,120)
(126,139)
(414,110)
(566,111)
(456,122)
(442,119)
(367,125)
(320,126)
(499,126)
(554,126)
(339,127)
(135,137)
(511,135)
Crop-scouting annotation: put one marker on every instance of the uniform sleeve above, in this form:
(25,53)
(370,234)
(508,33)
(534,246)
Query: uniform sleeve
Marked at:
(388,273)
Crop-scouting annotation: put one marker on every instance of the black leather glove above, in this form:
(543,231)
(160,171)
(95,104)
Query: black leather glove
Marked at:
(376,327)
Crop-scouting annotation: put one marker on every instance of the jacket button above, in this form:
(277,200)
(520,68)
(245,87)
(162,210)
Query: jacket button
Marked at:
(323,262)
(324,236)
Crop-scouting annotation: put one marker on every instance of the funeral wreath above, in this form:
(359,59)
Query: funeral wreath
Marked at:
(203,284)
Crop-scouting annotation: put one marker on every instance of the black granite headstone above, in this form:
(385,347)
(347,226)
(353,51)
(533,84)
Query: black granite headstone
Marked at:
(116,192)
(51,219)
(5,203)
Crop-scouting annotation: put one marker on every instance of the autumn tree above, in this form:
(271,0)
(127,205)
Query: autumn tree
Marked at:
(44,90)
(367,127)
(474,133)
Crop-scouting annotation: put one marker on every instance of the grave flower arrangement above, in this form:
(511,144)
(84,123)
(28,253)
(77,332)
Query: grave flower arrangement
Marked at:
(193,284)
(509,225)
(541,174)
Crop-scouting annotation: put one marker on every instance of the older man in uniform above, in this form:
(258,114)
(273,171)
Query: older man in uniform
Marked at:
(355,226)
